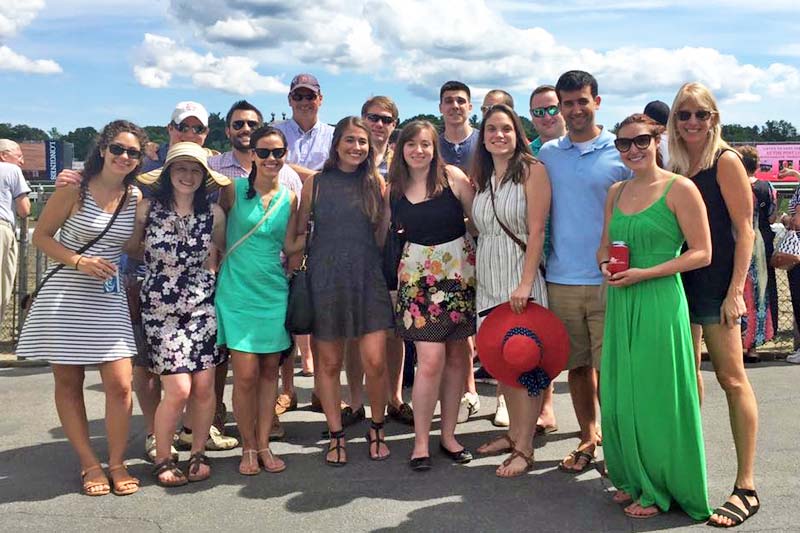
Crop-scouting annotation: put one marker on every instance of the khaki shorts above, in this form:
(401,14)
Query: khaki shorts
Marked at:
(582,309)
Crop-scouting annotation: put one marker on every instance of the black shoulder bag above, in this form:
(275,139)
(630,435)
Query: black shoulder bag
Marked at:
(300,307)
(27,300)
(393,247)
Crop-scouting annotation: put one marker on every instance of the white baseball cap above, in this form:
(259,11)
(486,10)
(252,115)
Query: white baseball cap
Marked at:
(184,110)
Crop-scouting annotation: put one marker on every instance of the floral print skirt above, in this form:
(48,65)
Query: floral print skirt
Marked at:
(436,291)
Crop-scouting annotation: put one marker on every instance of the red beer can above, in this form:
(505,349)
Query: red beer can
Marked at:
(619,257)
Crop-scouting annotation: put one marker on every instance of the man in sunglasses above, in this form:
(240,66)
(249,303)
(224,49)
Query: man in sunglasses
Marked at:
(309,140)
(582,165)
(545,116)
(188,123)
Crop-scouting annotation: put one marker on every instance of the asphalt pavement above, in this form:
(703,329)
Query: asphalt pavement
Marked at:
(39,482)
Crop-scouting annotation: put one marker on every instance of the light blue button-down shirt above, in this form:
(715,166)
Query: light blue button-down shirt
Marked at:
(309,148)
(580,183)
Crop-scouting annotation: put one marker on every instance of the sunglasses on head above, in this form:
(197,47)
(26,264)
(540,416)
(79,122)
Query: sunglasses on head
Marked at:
(374,117)
(264,153)
(239,124)
(703,115)
(641,141)
(539,112)
(183,128)
(117,149)
(297,97)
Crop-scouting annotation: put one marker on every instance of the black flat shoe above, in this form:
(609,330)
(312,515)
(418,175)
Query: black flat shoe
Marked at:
(351,417)
(462,456)
(420,464)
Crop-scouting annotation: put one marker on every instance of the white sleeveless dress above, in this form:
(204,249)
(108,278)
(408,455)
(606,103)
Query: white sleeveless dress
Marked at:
(499,260)
(72,321)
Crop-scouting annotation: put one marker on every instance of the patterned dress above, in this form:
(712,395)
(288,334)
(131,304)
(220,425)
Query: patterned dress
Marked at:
(436,275)
(180,325)
(758,323)
(72,321)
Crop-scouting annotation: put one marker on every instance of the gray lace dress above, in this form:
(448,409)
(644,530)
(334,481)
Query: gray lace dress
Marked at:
(347,287)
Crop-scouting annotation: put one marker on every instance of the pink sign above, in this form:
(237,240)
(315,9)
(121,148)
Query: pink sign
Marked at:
(774,157)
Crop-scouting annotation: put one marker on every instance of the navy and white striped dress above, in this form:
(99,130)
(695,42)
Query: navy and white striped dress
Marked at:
(72,321)
(499,260)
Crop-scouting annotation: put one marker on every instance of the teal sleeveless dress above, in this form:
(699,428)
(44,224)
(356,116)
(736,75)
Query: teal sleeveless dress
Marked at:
(652,431)
(252,289)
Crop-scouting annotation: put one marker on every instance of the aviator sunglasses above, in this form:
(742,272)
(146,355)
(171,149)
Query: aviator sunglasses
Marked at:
(703,115)
(183,128)
(297,97)
(539,112)
(239,124)
(641,141)
(374,117)
(116,149)
(264,153)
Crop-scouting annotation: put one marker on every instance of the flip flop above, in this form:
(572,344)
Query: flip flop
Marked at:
(641,516)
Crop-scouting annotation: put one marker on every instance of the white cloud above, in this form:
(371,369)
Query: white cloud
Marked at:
(16,14)
(161,59)
(422,43)
(10,60)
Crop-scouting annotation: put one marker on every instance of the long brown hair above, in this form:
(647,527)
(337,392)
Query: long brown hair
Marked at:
(399,176)
(482,162)
(371,199)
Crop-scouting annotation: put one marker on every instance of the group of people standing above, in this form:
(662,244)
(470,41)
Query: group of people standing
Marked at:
(216,248)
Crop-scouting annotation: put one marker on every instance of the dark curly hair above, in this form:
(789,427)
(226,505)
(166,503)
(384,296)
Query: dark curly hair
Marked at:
(94,160)
(260,133)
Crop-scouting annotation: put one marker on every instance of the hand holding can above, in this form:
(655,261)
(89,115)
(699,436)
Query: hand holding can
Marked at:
(618,257)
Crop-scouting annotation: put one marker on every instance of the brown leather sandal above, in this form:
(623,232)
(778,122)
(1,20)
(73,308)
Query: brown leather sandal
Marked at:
(195,461)
(168,465)
(87,487)
(528,462)
(500,451)
(126,486)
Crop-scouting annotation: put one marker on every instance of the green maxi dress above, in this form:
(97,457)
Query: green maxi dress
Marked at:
(252,289)
(652,432)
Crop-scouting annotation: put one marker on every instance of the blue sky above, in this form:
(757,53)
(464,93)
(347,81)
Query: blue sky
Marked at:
(68,64)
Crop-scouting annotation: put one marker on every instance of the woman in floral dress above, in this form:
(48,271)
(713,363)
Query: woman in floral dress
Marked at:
(436,281)
(177,229)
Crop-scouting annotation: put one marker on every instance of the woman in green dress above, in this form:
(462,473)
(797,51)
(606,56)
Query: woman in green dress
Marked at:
(252,293)
(652,432)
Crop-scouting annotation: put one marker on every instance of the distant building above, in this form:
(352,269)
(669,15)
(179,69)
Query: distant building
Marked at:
(45,159)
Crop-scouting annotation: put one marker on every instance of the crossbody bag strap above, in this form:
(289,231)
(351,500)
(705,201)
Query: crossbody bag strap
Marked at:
(88,245)
(503,226)
(310,223)
(257,225)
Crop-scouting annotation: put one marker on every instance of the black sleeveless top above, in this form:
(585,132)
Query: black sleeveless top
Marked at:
(711,282)
(434,221)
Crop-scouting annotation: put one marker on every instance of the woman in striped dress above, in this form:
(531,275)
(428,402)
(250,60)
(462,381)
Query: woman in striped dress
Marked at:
(75,321)
(513,191)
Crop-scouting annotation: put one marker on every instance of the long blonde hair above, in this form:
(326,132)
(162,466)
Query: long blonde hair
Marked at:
(678,153)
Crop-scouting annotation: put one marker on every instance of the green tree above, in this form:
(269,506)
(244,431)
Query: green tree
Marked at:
(82,140)
(434,119)
(157,134)
(217,140)
(778,130)
(23,132)
(527,125)
(54,134)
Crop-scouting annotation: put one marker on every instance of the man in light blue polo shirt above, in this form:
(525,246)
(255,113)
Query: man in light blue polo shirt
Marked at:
(582,165)
(309,139)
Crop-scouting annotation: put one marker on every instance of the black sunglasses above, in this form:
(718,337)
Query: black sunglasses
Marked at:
(264,153)
(374,117)
(539,112)
(703,115)
(641,142)
(117,149)
(183,128)
(297,97)
(239,124)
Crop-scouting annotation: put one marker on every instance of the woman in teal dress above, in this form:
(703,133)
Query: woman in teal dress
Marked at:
(252,293)
(652,432)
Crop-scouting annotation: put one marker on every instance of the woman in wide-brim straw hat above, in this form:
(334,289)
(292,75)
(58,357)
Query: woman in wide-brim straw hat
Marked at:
(176,231)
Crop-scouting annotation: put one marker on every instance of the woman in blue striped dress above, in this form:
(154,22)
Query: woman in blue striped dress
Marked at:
(75,321)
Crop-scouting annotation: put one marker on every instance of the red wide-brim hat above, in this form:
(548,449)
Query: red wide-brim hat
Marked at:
(512,345)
